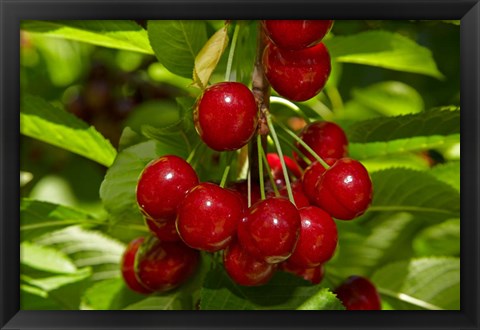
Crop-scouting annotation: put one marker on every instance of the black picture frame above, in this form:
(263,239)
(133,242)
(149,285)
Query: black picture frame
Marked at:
(12,11)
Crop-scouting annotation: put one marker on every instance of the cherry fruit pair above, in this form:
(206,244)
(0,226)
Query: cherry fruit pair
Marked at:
(295,62)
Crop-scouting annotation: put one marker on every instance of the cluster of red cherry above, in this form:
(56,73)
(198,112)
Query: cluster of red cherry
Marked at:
(187,216)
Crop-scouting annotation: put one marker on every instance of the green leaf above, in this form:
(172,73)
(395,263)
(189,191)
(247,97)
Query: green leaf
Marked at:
(443,121)
(38,218)
(120,34)
(45,259)
(207,59)
(284,292)
(448,173)
(111,294)
(403,190)
(118,190)
(177,43)
(425,283)
(87,248)
(409,160)
(364,247)
(389,98)
(54,282)
(384,49)
(400,146)
(42,121)
(439,240)
(25,178)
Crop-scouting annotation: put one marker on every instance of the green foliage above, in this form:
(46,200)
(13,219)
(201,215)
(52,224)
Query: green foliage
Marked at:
(425,283)
(64,130)
(290,292)
(177,43)
(119,34)
(384,49)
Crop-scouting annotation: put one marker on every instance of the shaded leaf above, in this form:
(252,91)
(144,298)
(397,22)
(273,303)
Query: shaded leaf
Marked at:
(444,121)
(384,49)
(207,59)
(120,34)
(177,43)
(424,283)
(284,292)
(64,130)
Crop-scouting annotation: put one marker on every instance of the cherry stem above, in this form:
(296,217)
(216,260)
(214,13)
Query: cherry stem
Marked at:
(233,45)
(192,153)
(303,144)
(260,167)
(299,153)
(269,171)
(290,105)
(225,176)
(282,160)
(249,185)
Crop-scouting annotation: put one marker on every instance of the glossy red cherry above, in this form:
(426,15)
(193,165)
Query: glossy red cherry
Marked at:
(345,190)
(318,238)
(276,167)
(164,266)
(270,229)
(296,34)
(245,269)
(327,139)
(313,275)
(358,293)
(163,185)
(311,175)
(165,230)
(299,196)
(226,116)
(297,75)
(208,217)
(128,267)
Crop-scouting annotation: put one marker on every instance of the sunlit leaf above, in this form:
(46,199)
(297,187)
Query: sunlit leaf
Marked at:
(384,49)
(425,283)
(37,117)
(207,59)
(120,34)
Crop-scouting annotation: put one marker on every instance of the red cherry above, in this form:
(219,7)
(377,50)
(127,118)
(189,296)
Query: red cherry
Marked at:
(296,34)
(318,238)
(163,185)
(128,267)
(276,167)
(327,139)
(313,275)
(358,293)
(226,116)
(165,230)
(345,189)
(208,217)
(297,75)
(311,175)
(270,229)
(299,196)
(245,269)
(164,266)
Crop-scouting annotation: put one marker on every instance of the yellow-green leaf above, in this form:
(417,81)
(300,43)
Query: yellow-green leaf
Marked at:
(207,59)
